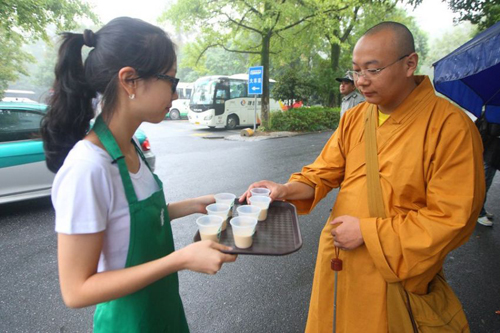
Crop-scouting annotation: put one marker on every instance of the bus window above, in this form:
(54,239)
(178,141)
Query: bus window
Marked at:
(237,89)
(221,93)
(203,94)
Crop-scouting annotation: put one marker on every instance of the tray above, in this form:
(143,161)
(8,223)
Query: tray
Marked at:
(277,235)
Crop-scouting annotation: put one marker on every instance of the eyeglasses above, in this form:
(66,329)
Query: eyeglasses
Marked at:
(173,80)
(371,73)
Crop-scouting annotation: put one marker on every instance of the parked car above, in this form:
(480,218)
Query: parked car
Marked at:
(23,172)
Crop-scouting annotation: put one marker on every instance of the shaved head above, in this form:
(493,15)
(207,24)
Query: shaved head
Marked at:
(403,38)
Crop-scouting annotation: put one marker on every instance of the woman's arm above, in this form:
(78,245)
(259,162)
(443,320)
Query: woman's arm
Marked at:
(81,285)
(190,206)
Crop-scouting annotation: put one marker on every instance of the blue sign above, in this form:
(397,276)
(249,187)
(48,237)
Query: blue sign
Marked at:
(255,79)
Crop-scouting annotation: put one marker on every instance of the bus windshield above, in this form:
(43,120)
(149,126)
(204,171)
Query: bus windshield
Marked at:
(203,92)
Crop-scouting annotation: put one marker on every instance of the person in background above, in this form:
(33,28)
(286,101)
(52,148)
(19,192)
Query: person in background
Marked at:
(490,133)
(350,97)
(430,174)
(115,243)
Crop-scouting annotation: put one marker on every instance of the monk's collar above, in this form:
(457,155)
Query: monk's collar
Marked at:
(422,91)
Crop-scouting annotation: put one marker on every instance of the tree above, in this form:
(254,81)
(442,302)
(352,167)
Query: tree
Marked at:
(249,26)
(446,44)
(337,34)
(29,19)
(484,13)
(214,61)
(293,85)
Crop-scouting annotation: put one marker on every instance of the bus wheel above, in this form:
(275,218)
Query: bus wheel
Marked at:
(232,121)
(174,114)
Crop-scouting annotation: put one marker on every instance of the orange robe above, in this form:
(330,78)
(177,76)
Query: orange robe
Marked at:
(432,178)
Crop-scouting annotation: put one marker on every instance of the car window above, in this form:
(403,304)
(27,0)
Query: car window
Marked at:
(18,125)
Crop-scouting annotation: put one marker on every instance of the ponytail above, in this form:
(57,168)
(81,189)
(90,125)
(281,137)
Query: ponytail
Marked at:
(122,42)
(70,106)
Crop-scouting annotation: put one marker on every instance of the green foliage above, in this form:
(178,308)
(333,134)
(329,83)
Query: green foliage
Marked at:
(305,119)
(32,17)
(253,27)
(29,19)
(484,13)
(294,84)
(215,61)
(448,42)
(12,58)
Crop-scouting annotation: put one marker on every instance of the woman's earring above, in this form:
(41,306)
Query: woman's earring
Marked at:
(131,96)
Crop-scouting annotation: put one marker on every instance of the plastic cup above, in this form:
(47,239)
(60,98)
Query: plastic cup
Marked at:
(220,210)
(209,227)
(263,203)
(249,210)
(226,198)
(243,230)
(260,191)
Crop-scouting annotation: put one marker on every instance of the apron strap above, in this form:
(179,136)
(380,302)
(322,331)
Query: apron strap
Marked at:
(141,154)
(109,143)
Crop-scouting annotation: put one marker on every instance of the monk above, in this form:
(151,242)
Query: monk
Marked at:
(432,181)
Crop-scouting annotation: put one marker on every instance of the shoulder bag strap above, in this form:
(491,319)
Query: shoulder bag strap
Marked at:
(375,202)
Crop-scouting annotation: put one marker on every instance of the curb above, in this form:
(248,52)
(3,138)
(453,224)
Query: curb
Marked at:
(272,135)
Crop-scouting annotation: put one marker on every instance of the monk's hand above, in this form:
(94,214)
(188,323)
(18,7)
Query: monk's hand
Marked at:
(278,191)
(346,232)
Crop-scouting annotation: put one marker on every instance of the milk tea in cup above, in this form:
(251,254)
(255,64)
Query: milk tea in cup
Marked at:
(249,210)
(243,229)
(226,198)
(263,203)
(221,210)
(209,227)
(260,191)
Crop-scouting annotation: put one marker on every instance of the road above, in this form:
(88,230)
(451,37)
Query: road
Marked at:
(254,294)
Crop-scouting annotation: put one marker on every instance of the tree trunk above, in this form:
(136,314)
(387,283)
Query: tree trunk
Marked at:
(264,56)
(334,64)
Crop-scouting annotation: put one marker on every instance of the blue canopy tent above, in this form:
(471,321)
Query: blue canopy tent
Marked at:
(470,75)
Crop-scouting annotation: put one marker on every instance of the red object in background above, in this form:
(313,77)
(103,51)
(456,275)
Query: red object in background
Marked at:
(145,145)
(297,104)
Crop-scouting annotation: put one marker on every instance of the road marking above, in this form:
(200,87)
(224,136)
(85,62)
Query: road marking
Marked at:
(202,134)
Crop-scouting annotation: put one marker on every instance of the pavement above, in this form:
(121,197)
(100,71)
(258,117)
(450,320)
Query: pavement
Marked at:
(257,136)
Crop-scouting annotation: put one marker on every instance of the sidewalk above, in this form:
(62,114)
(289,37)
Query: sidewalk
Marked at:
(258,136)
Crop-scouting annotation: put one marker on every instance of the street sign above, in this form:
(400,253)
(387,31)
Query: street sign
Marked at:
(255,79)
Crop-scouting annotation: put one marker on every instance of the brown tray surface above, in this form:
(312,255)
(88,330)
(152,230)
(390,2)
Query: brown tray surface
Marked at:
(277,235)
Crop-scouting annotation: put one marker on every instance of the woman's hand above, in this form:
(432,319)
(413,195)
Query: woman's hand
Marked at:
(206,256)
(201,203)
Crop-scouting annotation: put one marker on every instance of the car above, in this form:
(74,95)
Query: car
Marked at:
(23,172)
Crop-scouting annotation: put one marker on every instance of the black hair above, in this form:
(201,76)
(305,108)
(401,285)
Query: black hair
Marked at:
(122,42)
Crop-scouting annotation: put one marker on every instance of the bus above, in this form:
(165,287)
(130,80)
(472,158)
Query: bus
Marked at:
(180,106)
(223,101)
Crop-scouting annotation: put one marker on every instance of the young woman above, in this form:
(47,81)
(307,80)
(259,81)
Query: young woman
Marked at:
(115,245)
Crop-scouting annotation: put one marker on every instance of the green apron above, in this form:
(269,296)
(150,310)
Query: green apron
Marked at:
(157,307)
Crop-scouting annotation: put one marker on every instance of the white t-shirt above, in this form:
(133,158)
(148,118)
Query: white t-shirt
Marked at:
(88,197)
